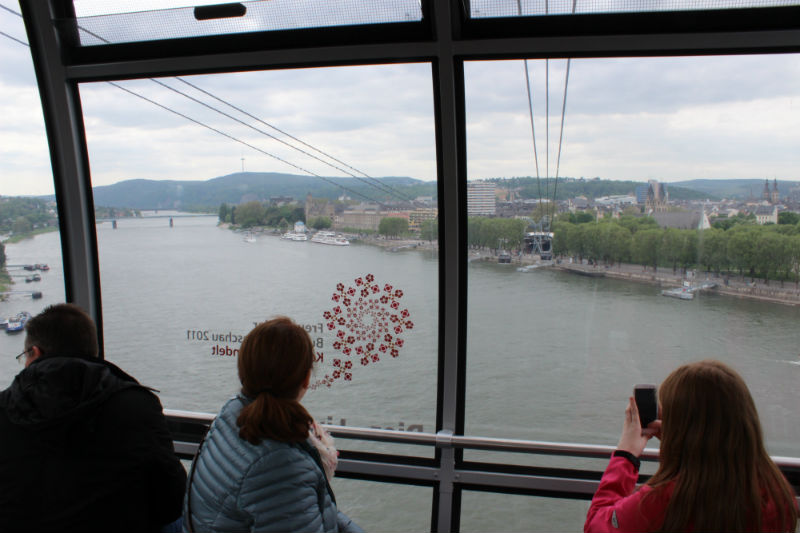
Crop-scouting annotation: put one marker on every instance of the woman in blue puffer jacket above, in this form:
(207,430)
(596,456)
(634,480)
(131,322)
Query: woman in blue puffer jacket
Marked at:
(258,468)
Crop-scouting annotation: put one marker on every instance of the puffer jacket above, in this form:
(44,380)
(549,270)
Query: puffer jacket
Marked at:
(272,486)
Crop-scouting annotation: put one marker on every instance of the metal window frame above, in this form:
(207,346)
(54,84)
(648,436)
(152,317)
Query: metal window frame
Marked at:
(446,38)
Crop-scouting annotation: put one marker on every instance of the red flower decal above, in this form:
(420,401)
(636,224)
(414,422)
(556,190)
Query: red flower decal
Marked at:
(365,314)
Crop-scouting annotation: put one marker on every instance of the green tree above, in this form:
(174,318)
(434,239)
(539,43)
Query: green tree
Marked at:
(224,211)
(617,241)
(21,225)
(741,249)
(788,217)
(283,225)
(562,232)
(713,249)
(250,214)
(322,223)
(2,255)
(646,247)
(429,230)
(393,226)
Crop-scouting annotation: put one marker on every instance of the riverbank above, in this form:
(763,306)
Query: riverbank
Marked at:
(788,294)
(30,234)
(735,286)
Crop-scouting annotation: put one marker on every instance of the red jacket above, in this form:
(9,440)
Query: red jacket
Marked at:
(617,508)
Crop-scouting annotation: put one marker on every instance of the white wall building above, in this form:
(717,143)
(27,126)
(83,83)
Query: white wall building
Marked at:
(481,199)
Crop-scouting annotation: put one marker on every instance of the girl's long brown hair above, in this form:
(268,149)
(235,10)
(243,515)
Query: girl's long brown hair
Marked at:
(712,448)
(274,361)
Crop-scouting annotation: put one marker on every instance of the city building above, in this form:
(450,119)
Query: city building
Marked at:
(419,215)
(481,199)
(766,214)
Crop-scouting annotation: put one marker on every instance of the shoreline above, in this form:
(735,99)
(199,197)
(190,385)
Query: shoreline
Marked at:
(737,287)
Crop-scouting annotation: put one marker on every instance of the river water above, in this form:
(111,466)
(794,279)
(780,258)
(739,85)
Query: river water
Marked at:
(550,356)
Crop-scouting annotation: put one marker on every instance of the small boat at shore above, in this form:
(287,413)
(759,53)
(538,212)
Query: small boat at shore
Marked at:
(17,323)
(681,293)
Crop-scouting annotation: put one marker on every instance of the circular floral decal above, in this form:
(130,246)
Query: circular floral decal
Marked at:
(368,321)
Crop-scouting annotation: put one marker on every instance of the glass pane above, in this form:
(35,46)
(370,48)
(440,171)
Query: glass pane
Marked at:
(384,506)
(121,22)
(513,8)
(28,214)
(205,236)
(485,511)
(653,152)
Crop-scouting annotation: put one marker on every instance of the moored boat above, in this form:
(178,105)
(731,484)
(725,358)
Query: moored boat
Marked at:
(17,323)
(329,237)
(682,293)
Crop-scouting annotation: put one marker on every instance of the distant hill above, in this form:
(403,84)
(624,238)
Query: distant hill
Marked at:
(247,186)
(735,189)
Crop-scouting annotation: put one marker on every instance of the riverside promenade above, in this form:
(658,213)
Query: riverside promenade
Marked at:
(736,286)
(756,289)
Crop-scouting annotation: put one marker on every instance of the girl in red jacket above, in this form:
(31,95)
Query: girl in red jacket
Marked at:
(714,473)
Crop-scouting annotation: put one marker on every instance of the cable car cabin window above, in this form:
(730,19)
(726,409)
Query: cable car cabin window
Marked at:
(127,22)
(654,222)
(31,273)
(493,8)
(231,199)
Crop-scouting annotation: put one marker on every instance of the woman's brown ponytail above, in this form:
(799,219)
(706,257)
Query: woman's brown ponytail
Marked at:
(274,362)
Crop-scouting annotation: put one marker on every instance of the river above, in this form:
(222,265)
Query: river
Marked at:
(550,356)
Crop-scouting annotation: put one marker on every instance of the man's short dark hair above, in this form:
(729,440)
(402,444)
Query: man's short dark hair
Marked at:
(63,329)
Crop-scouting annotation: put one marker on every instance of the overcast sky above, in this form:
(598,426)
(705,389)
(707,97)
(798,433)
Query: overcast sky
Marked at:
(665,118)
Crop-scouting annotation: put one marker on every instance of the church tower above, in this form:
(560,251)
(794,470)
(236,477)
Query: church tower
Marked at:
(775,196)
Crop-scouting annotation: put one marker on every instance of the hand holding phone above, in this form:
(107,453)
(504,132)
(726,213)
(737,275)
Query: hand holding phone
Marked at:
(647,403)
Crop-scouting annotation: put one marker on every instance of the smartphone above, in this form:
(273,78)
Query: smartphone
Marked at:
(647,403)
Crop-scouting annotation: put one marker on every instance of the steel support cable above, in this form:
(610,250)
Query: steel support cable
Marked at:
(389,188)
(561,133)
(218,131)
(4,34)
(383,187)
(265,133)
(530,114)
(377,184)
(231,137)
(563,116)
(547,133)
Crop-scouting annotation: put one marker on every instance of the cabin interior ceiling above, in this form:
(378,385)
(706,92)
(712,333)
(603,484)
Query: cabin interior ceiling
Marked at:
(443,35)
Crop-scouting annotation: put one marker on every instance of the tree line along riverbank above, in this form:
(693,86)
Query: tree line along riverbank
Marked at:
(770,252)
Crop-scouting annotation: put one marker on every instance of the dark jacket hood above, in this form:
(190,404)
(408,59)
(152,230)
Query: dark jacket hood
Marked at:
(55,389)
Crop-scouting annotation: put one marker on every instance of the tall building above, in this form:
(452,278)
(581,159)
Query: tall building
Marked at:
(481,199)
(657,197)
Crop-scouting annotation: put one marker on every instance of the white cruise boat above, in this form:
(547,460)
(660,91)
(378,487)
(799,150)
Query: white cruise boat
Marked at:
(294,236)
(329,237)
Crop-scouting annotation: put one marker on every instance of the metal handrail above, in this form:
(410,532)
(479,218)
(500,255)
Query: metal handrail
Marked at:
(470,442)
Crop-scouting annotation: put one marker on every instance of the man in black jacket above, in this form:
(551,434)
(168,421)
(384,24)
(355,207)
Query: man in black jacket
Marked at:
(83,446)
